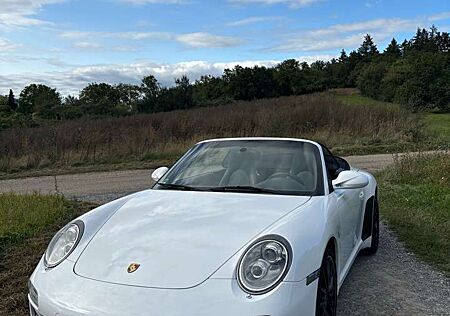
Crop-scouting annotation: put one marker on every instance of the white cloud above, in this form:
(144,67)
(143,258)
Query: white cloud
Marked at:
(291,3)
(378,25)
(317,44)
(80,35)
(19,13)
(207,40)
(72,80)
(145,35)
(6,46)
(440,16)
(349,35)
(194,40)
(121,35)
(253,20)
(87,45)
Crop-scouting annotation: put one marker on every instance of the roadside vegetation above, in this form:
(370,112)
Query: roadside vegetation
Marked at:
(435,126)
(128,126)
(415,202)
(414,73)
(438,125)
(27,223)
(162,137)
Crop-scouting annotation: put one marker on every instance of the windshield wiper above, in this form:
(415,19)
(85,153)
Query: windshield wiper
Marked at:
(242,188)
(176,186)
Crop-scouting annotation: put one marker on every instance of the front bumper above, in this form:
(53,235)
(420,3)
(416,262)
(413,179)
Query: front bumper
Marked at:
(61,292)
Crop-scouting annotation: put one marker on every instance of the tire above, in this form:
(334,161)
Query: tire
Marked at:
(326,301)
(375,231)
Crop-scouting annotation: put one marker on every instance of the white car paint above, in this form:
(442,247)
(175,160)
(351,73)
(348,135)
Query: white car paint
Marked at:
(189,245)
(172,235)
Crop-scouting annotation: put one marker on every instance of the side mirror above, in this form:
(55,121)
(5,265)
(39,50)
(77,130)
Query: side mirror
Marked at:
(350,179)
(159,173)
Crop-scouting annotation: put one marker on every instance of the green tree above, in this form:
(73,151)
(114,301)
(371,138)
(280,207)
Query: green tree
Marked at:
(129,96)
(12,103)
(368,47)
(71,101)
(405,47)
(369,81)
(393,50)
(419,81)
(442,41)
(40,100)
(184,93)
(150,86)
(250,83)
(4,103)
(337,72)
(99,99)
(210,90)
(354,65)
(313,78)
(343,58)
(71,108)
(151,90)
(287,75)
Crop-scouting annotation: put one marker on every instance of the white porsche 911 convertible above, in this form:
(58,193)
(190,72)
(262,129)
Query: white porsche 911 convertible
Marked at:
(243,226)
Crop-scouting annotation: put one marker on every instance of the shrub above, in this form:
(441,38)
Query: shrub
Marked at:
(317,116)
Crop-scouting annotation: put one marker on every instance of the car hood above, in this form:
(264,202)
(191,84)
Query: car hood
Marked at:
(178,238)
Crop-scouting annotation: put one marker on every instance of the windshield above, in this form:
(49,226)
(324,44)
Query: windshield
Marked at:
(252,166)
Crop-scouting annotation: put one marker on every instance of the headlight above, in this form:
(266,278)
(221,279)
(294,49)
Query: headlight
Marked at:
(62,245)
(264,265)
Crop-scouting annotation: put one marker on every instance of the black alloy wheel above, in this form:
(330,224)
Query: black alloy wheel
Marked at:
(326,301)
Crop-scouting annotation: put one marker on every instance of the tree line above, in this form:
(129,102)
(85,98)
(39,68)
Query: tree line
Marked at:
(415,73)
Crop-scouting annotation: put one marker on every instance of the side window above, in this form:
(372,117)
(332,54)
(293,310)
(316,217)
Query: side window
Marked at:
(331,164)
(343,164)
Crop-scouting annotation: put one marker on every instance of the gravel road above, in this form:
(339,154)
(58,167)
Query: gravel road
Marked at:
(105,186)
(393,282)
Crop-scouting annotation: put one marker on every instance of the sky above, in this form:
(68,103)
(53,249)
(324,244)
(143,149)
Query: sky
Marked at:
(68,44)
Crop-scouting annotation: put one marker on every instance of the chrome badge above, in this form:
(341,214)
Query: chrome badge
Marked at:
(133,267)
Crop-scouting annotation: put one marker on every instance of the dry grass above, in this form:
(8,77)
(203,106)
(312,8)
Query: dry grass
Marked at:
(24,236)
(166,135)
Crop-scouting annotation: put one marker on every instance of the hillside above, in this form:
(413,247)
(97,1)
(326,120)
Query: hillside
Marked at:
(148,139)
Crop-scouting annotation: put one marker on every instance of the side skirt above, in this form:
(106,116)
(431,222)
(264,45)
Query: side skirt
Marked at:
(349,264)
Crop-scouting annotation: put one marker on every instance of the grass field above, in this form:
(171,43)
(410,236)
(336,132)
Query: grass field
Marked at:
(439,125)
(436,126)
(351,96)
(27,223)
(143,139)
(22,216)
(415,201)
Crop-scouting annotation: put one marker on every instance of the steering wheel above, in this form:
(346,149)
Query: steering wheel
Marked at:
(285,175)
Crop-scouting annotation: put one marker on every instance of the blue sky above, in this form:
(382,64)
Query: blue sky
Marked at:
(69,43)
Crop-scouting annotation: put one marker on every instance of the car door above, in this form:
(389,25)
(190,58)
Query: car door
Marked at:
(349,210)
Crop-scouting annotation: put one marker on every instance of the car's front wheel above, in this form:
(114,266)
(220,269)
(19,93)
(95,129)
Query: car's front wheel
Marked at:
(326,301)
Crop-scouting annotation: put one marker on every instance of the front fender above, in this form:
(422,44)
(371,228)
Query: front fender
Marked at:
(94,220)
(307,229)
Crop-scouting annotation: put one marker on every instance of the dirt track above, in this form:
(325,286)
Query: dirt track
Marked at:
(393,282)
(104,186)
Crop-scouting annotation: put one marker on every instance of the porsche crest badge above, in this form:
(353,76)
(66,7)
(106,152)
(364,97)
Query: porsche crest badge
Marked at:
(133,267)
